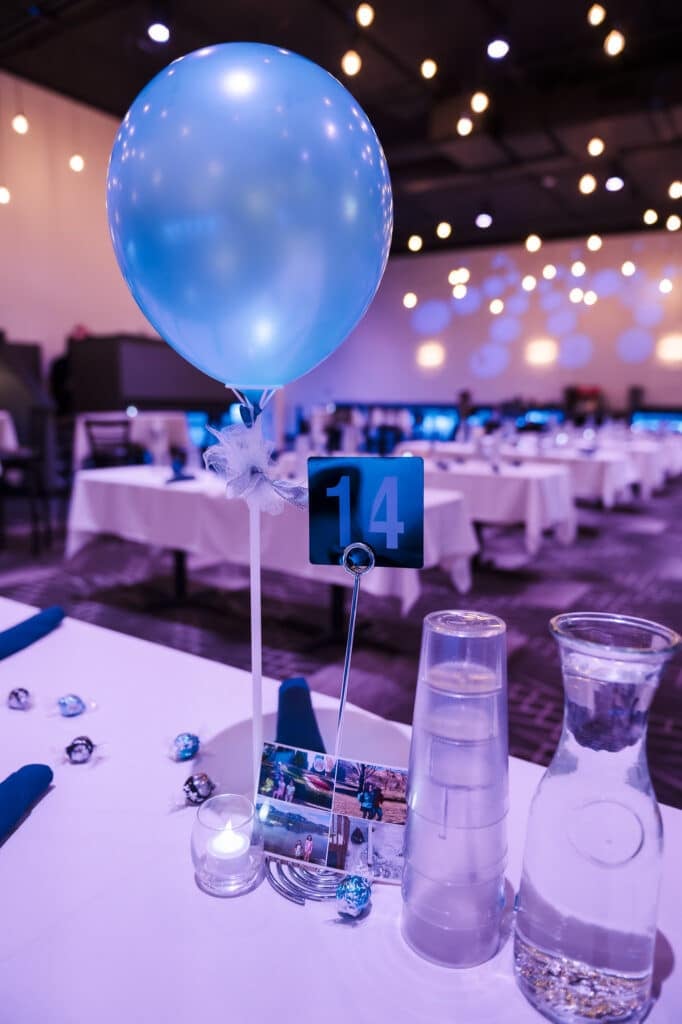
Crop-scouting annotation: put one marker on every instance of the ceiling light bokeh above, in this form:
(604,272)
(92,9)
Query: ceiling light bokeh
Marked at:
(496,307)
(428,68)
(444,230)
(649,216)
(528,283)
(409,300)
(76,163)
(351,62)
(158,32)
(20,124)
(578,268)
(464,125)
(498,49)
(483,220)
(596,14)
(594,243)
(669,348)
(596,146)
(364,15)
(480,102)
(587,184)
(533,243)
(430,355)
(673,222)
(5,195)
(614,183)
(414,243)
(614,43)
(549,272)
(628,268)
(541,352)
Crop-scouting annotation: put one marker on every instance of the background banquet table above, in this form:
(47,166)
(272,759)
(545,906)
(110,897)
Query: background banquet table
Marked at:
(103,920)
(135,502)
(146,429)
(540,497)
(8,434)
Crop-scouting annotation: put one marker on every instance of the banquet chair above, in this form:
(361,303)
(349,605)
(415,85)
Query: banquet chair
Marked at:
(110,444)
(25,475)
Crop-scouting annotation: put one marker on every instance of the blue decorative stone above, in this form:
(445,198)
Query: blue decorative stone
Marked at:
(79,751)
(185,746)
(353,896)
(19,699)
(71,705)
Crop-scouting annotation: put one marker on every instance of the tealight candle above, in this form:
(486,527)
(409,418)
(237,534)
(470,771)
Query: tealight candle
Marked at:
(227,845)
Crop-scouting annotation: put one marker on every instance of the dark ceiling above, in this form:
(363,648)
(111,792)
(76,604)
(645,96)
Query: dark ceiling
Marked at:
(522,162)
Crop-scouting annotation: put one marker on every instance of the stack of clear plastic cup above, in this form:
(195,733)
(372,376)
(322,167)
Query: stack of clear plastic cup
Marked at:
(456,837)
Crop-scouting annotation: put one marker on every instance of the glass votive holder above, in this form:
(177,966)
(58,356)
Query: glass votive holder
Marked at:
(227,846)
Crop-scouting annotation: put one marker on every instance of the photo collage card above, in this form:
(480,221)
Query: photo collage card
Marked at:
(340,814)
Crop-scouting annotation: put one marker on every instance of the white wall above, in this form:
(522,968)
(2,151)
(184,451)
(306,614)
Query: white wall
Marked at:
(57,266)
(57,269)
(613,344)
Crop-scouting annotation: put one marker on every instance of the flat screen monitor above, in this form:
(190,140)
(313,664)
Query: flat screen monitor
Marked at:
(657,420)
(541,416)
(435,424)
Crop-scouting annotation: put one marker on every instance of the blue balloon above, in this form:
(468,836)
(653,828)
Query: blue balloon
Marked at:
(250,209)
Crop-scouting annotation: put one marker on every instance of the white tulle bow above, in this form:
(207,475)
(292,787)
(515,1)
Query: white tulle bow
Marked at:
(243,457)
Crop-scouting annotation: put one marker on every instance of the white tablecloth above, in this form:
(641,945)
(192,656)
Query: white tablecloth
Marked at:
(538,496)
(605,476)
(649,457)
(171,426)
(102,920)
(134,502)
(8,433)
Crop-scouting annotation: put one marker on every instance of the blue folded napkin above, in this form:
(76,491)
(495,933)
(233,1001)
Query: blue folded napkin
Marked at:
(30,630)
(19,792)
(179,477)
(296,722)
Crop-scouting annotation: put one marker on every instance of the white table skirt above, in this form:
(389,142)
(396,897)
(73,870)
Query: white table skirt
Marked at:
(102,920)
(171,425)
(8,433)
(538,496)
(134,502)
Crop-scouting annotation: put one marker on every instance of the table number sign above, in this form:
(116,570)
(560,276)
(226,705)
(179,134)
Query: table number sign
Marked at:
(374,501)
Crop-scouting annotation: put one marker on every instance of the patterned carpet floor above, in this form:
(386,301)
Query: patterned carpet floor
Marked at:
(627,560)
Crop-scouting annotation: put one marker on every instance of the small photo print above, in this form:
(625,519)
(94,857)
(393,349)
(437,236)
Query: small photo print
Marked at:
(349,844)
(387,852)
(371,792)
(295,776)
(294,832)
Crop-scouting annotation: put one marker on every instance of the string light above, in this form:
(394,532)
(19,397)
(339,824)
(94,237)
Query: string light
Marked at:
(665,285)
(590,298)
(480,102)
(675,190)
(20,124)
(528,283)
(533,243)
(594,243)
(615,183)
(76,163)
(444,230)
(549,272)
(587,184)
(465,126)
(409,300)
(429,68)
(628,268)
(414,243)
(459,291)
(650,216)
(364,15)
(4,195)
(673,223)
(596,14)
(578,268)
(596,146)
(614,43)
(483,220)
(351,62)
(498,49)
(669,348)
(496,307)
(575,295)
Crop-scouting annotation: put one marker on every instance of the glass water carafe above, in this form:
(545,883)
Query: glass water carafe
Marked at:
(586,920)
